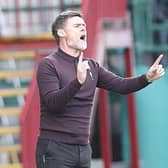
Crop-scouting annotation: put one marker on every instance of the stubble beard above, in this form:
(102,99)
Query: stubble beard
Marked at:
(81,45)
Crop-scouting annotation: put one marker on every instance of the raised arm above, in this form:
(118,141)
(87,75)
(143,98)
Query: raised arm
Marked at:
(113,82)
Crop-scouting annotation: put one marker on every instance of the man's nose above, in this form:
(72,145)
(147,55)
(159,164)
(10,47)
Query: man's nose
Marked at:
(83,28)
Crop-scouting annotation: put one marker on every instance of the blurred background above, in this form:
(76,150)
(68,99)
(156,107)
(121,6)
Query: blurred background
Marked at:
(126,36)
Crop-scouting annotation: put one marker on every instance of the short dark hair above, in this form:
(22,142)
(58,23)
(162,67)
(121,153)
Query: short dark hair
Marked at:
(60,22)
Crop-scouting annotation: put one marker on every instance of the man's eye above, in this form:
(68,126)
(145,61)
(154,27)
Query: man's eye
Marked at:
(77,25)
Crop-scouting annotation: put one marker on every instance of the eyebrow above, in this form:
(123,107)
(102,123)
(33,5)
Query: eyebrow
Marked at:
(78,24)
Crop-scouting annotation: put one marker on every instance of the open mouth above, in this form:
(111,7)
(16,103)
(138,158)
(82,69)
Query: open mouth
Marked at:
(83,37)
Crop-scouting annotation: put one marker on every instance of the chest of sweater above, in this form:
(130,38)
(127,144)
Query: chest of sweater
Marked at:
(67,71)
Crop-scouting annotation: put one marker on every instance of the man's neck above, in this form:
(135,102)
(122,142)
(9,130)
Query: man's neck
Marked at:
(70,51)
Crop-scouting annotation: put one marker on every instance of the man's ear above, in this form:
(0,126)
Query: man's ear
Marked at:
(61,32)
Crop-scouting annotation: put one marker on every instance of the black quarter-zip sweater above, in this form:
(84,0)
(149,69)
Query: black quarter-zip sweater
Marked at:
(66,104)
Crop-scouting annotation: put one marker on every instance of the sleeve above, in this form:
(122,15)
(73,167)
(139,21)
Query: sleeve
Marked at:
(54,97)
(110,81)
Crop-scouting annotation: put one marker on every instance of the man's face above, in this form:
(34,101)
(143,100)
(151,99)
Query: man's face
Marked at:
(76,35)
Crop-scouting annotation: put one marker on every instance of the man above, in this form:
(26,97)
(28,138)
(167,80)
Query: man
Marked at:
(67,83)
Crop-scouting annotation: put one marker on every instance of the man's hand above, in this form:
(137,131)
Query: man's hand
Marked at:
(82,69)
(156,70)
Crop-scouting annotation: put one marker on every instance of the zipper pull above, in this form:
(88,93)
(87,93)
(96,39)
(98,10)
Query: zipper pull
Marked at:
(90,73)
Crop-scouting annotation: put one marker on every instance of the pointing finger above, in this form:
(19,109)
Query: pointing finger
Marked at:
(158,60)
(81,57)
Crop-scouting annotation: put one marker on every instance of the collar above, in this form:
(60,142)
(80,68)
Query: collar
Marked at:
(66,56)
